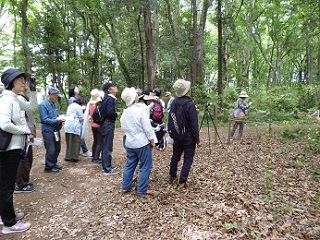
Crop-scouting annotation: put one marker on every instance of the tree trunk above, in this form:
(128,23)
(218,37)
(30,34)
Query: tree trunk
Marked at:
(220,52)
(193,73)
(25,36)
(149,45)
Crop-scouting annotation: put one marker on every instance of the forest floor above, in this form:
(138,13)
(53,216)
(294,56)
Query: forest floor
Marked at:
(260,188)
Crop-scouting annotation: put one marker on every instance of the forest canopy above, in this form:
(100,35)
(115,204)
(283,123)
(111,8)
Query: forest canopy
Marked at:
(222,47)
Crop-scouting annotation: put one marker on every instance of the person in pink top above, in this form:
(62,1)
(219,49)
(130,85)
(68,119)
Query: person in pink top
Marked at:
(96,99)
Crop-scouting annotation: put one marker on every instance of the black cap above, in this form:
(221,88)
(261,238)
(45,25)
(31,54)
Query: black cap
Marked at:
(108,85)
(11,74)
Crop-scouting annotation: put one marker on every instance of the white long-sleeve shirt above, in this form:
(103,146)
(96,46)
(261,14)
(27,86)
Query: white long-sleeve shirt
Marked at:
(136,125)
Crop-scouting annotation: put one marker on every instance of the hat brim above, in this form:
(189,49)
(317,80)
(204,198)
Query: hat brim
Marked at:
(188,85)
(149,98)
(243,96)
(17,74)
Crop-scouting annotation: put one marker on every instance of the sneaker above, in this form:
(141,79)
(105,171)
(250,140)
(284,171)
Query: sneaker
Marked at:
(18,227)
(182,186)
(111,172)
(26,189)
(19,216)
(51,170)
(58,167)
(97,161)
(87,154)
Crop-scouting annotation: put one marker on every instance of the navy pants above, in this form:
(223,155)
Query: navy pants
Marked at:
(188,148)
(53,149)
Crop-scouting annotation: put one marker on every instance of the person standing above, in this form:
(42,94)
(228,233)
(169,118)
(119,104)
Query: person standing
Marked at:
(73,93)
(170,99)
(73,128)
(138,142)
(190,140)
(23,183)
(108,126)
(10,121)
(95,100)
(240,108)
(51,125)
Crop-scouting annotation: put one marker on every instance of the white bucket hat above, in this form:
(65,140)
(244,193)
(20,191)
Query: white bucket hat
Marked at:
(95,96)
(181,87)
(243,94)
(128,95)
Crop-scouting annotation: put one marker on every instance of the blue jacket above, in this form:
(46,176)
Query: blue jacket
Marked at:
(48,116)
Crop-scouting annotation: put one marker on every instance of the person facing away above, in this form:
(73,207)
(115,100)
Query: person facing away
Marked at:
(23,183)
(139,141)
(240,104)
(51,125)
(108,126)
(95,100)
(73,92)
(10,121)
(190,140)
(73,128)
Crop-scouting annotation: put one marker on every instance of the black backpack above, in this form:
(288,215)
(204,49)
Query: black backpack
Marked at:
(177,121)
(97,115)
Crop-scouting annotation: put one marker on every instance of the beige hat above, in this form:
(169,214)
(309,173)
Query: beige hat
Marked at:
(128,95)
(243,94)
(181,87)
(95,96)
(149,98)
(167,94)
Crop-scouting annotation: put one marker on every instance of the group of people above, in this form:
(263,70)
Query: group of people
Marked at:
(142,125)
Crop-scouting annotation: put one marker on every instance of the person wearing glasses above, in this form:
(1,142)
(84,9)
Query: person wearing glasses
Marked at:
(14,82)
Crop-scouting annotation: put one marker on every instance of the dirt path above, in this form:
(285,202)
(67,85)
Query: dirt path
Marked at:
(259,189)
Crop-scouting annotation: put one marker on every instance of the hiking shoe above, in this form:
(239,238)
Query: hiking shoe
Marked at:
(111,172)
(18,227)
(181,186)
(87,154)
(19,216)
(173,180)
(26,189)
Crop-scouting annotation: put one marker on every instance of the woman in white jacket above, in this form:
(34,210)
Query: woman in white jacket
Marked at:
(10,121)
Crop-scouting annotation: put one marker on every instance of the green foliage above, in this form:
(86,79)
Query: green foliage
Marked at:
(310,137)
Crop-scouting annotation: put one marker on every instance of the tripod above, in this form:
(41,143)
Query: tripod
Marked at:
(206,116)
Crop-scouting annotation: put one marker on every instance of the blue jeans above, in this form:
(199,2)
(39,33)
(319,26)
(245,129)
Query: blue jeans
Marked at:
(134,156)
(52,149)
(84,146)
(107,131)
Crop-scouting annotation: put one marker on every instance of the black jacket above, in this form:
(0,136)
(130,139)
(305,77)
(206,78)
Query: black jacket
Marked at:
(192,132)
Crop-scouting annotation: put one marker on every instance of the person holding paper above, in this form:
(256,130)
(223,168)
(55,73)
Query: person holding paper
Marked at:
(72,128)
(51,125)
